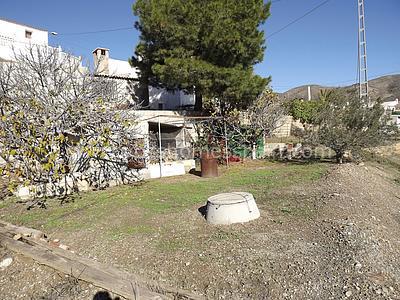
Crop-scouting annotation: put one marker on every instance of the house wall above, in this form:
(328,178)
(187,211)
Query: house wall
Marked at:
(285,129)
(396,120)
(177,168)
(159,99)
(390,105)
(169,100)
(12,35)
(175,138)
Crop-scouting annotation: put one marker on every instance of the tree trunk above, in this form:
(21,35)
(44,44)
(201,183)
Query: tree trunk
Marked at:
(145,97)
(198,105)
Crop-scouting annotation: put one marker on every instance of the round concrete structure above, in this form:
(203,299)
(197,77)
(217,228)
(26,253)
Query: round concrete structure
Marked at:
(229,208)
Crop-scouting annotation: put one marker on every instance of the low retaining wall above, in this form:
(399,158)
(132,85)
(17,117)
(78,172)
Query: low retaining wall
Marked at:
(168,169)
(270,148)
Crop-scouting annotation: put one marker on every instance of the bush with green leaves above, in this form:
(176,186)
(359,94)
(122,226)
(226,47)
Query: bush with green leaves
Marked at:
(346,123)
(304,111)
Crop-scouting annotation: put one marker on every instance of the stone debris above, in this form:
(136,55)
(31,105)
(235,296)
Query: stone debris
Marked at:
(6,263)
(64,247)
(348,294)
(17,237)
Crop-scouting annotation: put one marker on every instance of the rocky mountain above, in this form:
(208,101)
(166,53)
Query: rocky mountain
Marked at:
(385,87)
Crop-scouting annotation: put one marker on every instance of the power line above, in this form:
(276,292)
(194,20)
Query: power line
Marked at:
(98,31)
(132,27)
(298,19)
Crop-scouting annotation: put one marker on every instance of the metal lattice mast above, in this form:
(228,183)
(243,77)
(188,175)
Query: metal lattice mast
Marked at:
(362,52)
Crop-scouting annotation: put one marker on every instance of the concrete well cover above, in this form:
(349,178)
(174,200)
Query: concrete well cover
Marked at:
(229,208)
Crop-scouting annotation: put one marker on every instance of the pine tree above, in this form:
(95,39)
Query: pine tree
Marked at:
(207,47)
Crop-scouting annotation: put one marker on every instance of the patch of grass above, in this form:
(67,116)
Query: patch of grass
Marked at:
(298,210)
(221,235)
(286,210)
(3,204)
(171,245)
(156,197)
(127,230)
(55,216)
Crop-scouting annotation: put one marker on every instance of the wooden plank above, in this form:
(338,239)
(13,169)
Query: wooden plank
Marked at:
(22,230)
(106,277)
(96,276)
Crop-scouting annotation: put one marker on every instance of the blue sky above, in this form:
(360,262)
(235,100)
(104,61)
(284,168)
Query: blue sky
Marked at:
(319,49)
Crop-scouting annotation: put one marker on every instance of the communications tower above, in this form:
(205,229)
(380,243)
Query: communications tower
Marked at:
(362,52)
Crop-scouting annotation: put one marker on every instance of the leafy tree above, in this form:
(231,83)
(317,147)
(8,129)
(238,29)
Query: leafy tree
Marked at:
(346,123)
(60,124)
(206,47)
(304,111)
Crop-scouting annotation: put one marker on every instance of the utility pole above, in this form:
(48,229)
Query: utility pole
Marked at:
(362,52)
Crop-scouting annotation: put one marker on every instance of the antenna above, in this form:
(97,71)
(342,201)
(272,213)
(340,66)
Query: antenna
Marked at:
(362,52)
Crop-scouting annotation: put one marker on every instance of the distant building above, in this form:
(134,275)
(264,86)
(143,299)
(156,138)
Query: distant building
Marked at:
(15,37)
(159,99)
(391,105)
(392,108)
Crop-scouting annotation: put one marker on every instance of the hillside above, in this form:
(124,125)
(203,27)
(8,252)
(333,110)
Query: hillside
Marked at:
(386,87)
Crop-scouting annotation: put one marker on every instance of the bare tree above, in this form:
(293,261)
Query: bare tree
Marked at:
(262,118)
(241,129)
(59,124)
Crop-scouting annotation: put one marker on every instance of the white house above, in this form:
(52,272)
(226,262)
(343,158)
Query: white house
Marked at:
(392,108)
(159,99)
(169,127)
(391,105)
(15,37)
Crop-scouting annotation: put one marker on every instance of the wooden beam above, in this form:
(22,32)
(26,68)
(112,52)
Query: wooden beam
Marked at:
(106,277)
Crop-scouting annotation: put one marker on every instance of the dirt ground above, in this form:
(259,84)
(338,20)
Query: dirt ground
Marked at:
(26,279)
(337,237)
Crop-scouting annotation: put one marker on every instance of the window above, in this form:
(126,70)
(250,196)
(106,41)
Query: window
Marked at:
(160,106)
(102,52)
(28,34)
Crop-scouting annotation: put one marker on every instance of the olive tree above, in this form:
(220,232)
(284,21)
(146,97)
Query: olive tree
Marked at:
(344,122)
(60,124)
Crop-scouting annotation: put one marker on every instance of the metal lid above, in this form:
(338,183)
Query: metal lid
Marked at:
(230,198)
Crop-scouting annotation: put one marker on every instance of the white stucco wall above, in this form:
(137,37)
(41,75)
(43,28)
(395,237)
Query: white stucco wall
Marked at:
(396,120)
(158,98)
(285,129)
(169,100)
(12,35)
(121,68)
(390,105)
